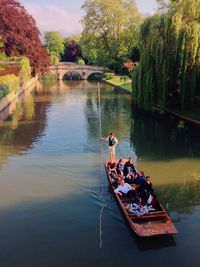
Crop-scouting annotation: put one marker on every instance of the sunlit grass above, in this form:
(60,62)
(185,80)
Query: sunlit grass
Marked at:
(119,81)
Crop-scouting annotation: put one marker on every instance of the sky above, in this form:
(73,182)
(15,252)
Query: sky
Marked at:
(64,15)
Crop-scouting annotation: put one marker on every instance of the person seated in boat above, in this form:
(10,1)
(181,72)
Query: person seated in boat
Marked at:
(143,194)
(115,179)
(139,177)
(145,184)
(129,168)
(120,167)
(125,189)
(113,169)
(132,176)
(153,201)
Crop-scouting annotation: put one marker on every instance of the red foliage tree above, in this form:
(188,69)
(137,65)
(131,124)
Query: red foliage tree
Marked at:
(72,51)
(21,36)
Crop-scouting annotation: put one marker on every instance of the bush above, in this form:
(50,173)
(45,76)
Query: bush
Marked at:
(108,75)
(11,81)
(3,90)
(80,61)
(124,78)
(25,68)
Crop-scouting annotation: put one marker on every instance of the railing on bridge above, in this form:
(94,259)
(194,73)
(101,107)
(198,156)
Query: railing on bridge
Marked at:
(84,70)
(72,65)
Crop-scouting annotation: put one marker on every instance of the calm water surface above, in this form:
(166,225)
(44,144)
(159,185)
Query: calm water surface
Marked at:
(56,208)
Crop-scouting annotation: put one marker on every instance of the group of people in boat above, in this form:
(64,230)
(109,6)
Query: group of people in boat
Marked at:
(131,183)
(127,180)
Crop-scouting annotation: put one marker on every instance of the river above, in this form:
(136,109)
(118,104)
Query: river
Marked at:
(56,208)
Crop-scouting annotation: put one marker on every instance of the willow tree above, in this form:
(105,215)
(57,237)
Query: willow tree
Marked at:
(110,29)
(170,57)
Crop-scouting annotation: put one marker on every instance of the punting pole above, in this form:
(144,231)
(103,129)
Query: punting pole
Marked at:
(100,172)
(99,110)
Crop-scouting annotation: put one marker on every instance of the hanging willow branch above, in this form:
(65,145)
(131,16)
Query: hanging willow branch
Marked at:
(170,57)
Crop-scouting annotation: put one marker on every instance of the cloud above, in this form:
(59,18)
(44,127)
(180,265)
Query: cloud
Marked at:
(53,18)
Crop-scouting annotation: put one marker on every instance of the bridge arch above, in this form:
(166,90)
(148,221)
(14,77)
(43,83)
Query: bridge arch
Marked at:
(71,75)
(99,74)
(84,71)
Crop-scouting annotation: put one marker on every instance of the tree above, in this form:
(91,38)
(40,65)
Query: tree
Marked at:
(169,67)
(110,29)
(75,37)
(72,51)
(21,36)
(55,45)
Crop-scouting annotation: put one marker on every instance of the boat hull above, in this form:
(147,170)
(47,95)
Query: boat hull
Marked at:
(148,225)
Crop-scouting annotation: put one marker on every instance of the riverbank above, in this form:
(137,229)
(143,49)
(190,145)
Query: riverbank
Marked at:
(192,116)
(7,100)
(119,83)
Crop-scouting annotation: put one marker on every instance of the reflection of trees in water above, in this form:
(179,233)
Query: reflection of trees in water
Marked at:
(160,136)
(24,126)
(180,198)
(115,113)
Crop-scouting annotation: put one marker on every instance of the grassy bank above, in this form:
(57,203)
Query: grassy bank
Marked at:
(122,81)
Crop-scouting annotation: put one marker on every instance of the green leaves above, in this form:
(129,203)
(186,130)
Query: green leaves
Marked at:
(170,54)
(110,29)
(55,45)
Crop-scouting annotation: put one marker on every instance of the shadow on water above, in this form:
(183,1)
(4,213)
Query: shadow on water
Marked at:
(180,198)
(153,243)
(161,136)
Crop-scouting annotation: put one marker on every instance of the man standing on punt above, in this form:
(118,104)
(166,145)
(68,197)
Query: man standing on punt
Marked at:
(112,142)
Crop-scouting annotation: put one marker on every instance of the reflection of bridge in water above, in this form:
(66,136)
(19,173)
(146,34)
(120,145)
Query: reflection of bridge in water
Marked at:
(63,68)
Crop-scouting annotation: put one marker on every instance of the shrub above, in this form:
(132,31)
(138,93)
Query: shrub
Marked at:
(3,90)
(11,81)
(80,61)
(25,68)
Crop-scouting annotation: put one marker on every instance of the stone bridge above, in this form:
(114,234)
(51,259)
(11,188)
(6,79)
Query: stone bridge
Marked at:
(84,71)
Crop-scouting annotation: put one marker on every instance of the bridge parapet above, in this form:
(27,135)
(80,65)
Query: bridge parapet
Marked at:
(76,66)
(84,70)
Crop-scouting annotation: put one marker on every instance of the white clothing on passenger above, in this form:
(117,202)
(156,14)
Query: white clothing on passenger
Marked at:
(139,210)
(123,188)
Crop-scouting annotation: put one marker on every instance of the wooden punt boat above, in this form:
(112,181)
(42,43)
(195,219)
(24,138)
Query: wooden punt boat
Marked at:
(154,223)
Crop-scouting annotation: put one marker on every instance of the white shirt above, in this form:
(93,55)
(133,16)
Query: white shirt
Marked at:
(123,188)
